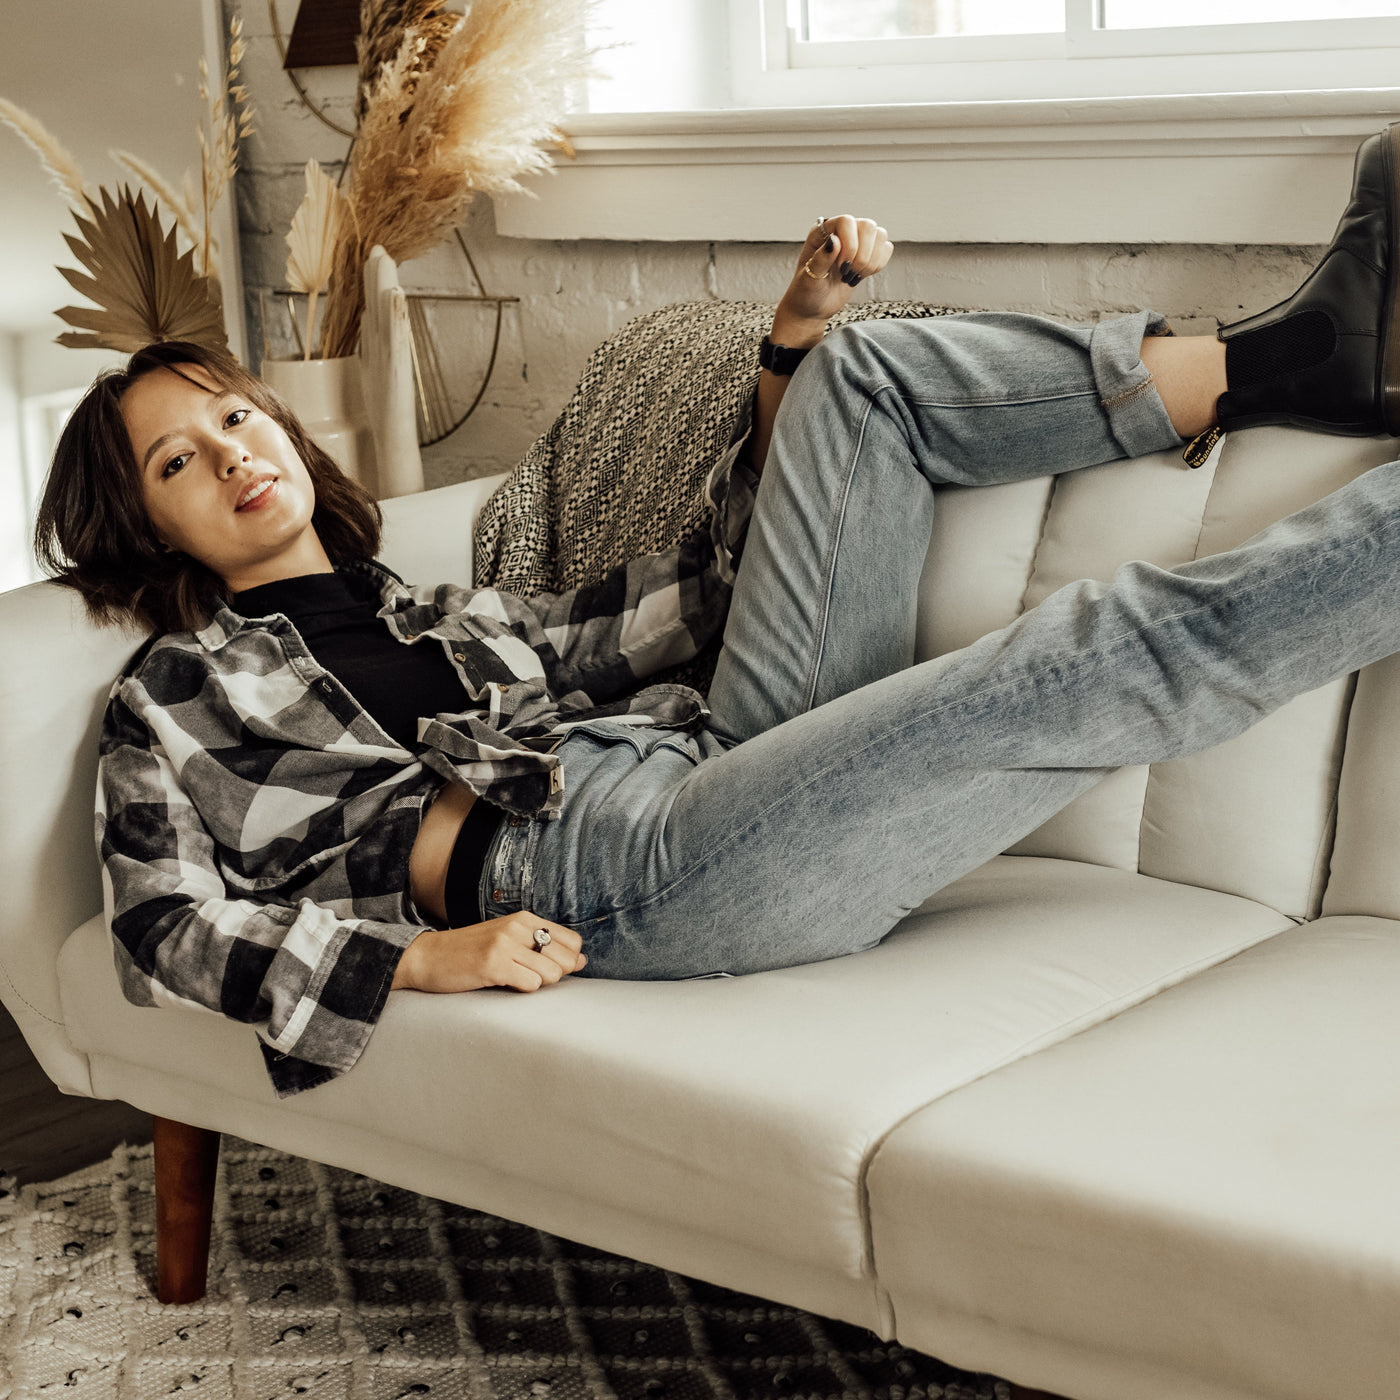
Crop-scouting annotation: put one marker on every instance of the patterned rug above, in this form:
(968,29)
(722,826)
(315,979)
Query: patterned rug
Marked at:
(332,1286)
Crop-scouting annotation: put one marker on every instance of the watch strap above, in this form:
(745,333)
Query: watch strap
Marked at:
(779,359)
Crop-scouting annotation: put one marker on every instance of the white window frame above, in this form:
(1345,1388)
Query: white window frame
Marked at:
(1186,152)
(772,66)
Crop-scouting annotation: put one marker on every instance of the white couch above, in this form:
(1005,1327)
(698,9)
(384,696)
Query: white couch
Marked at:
(1118,1115)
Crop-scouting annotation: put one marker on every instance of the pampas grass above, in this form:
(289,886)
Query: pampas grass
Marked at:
(383,26)
(436,130)
(226,121)
(53,155)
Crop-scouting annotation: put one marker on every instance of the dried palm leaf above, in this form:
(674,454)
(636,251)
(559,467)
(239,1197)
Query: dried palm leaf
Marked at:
(145,289)
(165,192)
(53,155)
(316,229)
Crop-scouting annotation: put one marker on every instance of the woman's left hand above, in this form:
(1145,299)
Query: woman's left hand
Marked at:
(838,253)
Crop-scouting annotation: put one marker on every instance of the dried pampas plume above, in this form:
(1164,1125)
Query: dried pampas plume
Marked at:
(383,26)
(438,129)
(53,155)
(227,121)
(316,228)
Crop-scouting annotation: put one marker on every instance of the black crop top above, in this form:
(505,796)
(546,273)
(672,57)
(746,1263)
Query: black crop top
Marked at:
(335,615)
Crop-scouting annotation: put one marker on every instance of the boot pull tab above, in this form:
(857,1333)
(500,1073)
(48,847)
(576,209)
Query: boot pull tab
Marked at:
(1198,450)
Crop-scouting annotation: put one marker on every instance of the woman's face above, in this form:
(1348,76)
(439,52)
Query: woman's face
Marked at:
(221,480)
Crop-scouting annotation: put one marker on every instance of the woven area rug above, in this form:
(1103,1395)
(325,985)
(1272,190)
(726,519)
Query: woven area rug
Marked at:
(332,1286)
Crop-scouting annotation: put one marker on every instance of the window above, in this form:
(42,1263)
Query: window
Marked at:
(846,52)
(42,417)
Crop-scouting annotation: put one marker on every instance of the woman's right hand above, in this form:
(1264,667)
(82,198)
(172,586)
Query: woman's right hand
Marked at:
(499,953)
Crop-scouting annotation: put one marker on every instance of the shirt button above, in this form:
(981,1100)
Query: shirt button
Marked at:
(497,896)
(515,821)
(458,656)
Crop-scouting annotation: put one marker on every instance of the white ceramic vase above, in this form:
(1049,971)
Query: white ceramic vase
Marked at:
(328,398)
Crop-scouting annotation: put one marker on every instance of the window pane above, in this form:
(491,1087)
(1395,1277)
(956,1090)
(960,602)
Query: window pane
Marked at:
(825,20)
(1151,14)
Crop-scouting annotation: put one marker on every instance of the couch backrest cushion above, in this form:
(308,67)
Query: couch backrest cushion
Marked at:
(1253,817)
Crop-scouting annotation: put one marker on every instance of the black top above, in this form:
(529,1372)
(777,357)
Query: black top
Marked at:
(336,617)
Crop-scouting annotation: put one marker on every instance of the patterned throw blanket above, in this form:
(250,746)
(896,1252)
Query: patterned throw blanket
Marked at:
(621,473)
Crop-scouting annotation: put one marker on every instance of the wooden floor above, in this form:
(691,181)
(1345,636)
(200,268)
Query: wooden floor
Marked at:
(45,1134)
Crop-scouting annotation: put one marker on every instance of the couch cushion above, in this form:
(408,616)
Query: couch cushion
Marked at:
(721,1127)
(1253,817)
(1195,1199)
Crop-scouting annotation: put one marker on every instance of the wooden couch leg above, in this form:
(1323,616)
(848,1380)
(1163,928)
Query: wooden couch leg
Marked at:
(186,1159)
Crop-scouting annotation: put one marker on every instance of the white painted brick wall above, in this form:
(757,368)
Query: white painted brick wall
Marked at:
(573,294)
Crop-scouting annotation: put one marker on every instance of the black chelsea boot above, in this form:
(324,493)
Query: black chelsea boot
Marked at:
(1328,358)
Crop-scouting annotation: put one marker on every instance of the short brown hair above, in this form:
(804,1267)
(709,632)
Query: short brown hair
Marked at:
(93,534)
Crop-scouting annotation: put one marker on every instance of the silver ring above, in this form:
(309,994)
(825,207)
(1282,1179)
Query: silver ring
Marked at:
(543,938)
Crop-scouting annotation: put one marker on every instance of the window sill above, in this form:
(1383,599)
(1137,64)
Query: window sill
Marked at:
(1218,168)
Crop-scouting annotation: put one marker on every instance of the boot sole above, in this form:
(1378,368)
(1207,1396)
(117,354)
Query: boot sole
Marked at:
(1389,386)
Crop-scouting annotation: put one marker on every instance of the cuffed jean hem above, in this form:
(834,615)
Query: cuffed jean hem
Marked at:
(1137,417)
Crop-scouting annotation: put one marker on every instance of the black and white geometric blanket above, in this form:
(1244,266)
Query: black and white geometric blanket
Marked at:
(622,470)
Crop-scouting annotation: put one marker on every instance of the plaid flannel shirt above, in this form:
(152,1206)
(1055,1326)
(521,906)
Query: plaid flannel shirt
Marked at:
(254,822)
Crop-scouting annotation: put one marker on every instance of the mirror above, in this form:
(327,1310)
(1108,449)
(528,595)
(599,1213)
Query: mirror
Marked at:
(98,75)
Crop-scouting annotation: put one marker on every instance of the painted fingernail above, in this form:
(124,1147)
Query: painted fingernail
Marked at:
(829,245)
(855,278)
(845,267)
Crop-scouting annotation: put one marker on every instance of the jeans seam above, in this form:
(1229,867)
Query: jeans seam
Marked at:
(829,564)
(1195,554)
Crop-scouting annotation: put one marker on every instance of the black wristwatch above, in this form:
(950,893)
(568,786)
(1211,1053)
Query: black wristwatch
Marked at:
(779,359)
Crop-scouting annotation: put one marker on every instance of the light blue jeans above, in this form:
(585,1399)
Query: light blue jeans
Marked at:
(838,784)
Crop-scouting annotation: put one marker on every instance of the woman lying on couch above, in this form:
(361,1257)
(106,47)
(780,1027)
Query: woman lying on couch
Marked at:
(318,784)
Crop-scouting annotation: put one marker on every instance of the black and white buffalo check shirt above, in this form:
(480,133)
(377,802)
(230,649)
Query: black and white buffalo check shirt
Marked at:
(255,824)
